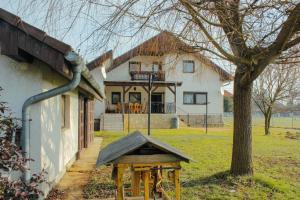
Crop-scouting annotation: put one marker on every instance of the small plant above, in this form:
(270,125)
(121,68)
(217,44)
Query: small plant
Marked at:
(12,160)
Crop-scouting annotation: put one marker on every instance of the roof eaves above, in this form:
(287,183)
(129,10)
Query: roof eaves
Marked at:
(100,60)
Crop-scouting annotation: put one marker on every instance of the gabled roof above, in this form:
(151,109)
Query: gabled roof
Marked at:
(131,143)
(163,43)
(99,60)
(24,42)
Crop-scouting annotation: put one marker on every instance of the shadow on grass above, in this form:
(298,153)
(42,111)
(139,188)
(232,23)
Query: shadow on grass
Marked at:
(219,178)
(225,180)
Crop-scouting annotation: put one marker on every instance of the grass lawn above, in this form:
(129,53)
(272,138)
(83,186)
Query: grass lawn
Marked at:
(276,165)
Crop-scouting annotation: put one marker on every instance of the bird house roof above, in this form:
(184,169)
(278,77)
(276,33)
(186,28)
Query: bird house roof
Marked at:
(137,144)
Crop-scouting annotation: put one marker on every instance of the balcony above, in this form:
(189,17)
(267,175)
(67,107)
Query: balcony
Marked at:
(144,75)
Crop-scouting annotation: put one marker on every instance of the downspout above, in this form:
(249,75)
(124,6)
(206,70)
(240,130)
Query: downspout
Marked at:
(77,66)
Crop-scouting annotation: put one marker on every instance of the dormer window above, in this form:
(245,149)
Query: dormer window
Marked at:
(134,66)
(188,66)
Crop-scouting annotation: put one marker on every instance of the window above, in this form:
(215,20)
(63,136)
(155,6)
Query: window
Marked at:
(198,98)
(115,97)
(156,67)
(188,66)
(134,97)
(134,66)
(65,111)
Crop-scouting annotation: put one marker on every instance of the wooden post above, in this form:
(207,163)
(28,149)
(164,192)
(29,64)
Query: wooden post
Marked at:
(175,99)
(177,184)
(146,185)
(206,108)
(123,108)
(149,102)
(119,183)
(135,182)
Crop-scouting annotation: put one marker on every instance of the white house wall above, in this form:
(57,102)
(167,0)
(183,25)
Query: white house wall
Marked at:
(51,147)
(99,105)
(203,80)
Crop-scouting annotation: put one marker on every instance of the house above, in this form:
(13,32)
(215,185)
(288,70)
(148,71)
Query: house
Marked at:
(185,84)
(48,86)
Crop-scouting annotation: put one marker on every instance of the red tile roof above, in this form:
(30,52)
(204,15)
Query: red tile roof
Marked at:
(163,43)
(227,94)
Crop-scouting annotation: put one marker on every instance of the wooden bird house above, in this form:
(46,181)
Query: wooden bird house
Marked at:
(147,158)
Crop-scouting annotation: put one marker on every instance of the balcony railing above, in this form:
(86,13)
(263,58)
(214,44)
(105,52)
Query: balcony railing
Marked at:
(144,75)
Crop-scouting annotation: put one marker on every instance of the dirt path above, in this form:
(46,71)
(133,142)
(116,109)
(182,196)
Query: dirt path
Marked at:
(78,175)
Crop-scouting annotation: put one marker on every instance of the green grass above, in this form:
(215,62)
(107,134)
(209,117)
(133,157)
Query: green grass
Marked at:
(276,164)
(276,122)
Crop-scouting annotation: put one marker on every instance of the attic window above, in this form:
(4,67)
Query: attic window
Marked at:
(134,66)
(188,66)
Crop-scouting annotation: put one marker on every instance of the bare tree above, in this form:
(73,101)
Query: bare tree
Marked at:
(251,34)
(275,84)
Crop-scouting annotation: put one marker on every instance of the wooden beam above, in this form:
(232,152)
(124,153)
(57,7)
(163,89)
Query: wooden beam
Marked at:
(141,83)
(155,88)
(146,175)
(127,89)
(135,182)
(119,183)
(177,184)
(147,159)
(123,107)
(173,91)
(175,99)
(144,87)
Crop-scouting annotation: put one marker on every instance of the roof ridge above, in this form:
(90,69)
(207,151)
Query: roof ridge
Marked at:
(163,43)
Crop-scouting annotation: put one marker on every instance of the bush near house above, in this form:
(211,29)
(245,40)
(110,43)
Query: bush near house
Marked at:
(13,161)
(276,163)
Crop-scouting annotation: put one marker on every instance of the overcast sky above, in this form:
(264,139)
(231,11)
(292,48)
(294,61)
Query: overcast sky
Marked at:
(75,36)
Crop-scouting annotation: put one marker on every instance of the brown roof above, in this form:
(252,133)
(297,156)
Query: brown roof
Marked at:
(99,60)
(24,42)
(163,43)
(227,94)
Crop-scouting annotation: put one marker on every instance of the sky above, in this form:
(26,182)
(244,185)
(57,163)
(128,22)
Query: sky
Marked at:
(75,33)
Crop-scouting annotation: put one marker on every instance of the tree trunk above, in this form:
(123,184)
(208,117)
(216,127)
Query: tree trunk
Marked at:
(241,163)
(268,121)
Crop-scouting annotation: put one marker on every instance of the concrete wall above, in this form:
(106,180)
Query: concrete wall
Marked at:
(52,147)
(140,121)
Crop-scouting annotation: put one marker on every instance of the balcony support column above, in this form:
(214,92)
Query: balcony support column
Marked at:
(175,99)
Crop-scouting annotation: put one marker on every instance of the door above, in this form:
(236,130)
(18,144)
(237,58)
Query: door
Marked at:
(86,122)
(90,121)
(81,125)
(157,103)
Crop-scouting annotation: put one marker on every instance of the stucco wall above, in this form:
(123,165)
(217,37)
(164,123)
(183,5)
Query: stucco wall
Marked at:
(50,146)
(203,80)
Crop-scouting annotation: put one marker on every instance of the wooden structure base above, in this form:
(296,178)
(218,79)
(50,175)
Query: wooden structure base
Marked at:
(149,173)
